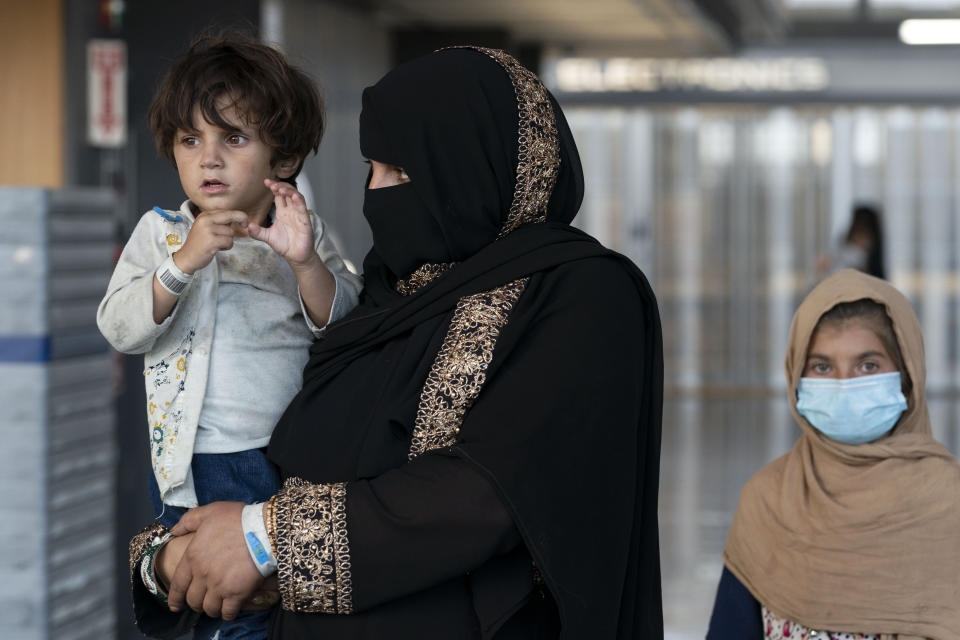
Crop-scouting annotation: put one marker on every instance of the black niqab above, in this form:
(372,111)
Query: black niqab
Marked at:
(451,123)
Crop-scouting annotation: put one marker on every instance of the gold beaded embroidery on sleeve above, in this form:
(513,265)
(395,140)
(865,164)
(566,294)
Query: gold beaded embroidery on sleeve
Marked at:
(422,277)
(270,523)
(313,549)
(459,370)
(141,542)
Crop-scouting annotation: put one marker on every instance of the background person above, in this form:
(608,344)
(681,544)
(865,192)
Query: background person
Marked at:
(862,247)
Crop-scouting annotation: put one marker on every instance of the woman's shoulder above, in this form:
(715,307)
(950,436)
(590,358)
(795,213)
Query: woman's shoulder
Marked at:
(594,292)
(612,266)
(604,278)
(736,613)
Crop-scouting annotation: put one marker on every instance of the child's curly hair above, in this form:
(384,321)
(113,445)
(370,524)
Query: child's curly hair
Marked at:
(266,91)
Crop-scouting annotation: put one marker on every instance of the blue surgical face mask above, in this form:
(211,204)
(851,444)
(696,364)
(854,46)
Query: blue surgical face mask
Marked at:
(854,410)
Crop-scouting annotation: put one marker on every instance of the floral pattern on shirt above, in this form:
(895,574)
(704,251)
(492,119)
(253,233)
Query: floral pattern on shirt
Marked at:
(169,377)
(777,628)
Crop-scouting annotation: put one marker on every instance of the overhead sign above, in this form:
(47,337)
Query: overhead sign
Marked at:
(722,75)
(107,93)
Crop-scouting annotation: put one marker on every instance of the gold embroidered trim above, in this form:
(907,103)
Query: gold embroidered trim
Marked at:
(538,161)
(270,524)
(459,370)
(313,549)
(537,576)
(422,277)
(141,542)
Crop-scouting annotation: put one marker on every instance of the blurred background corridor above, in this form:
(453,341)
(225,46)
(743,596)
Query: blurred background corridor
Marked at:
(725,145)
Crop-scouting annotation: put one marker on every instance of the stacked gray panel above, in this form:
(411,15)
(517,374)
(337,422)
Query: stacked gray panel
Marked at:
(57,463)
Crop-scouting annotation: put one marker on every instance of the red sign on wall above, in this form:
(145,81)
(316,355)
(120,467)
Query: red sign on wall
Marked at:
(107,93)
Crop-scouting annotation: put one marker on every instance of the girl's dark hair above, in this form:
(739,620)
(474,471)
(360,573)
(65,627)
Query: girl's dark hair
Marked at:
(267,92)
(873,316)
(866,220)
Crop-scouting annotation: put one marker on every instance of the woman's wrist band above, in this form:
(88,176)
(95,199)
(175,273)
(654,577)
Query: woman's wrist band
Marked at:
(258,542)
(172,278)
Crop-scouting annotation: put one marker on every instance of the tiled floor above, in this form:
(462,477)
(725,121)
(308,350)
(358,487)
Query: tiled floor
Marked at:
(710,449)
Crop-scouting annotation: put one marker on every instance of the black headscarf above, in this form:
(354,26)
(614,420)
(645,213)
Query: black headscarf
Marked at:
(457,139)
(454,117)
(452,120)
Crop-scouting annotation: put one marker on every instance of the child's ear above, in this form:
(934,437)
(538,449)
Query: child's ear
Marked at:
(286,167)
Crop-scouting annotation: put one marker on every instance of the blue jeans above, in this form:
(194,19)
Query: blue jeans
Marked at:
(244,476)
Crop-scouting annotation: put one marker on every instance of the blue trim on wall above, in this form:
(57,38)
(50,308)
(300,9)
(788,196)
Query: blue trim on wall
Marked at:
(24,349)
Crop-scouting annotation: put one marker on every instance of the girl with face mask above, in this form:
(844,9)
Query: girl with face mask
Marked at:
(853,534)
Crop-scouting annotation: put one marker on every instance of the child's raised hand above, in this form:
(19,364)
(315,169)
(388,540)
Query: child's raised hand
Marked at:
(212,231)
(291,234)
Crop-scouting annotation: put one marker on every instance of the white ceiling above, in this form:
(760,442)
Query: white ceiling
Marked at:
(665,25)
(876,8)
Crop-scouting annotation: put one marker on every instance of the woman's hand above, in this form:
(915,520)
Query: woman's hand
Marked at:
(216,574)
(267,596)
(291,234)
(169,557)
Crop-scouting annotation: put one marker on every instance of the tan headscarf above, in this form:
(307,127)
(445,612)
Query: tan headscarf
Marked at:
(863,538)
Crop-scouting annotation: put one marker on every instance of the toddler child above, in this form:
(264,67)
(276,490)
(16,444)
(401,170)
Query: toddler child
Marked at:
(225,295)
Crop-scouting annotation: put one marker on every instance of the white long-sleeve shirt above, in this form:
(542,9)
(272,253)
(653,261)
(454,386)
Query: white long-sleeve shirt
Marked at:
(260,343)
(245,307)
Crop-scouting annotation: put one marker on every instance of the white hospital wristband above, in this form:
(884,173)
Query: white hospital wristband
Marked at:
(172,278)
(255,535)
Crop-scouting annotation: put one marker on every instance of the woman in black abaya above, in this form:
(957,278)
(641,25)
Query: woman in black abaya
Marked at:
(475,450)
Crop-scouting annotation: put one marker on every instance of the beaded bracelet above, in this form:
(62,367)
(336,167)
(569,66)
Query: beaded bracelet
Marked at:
(271,523)
(148,567)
